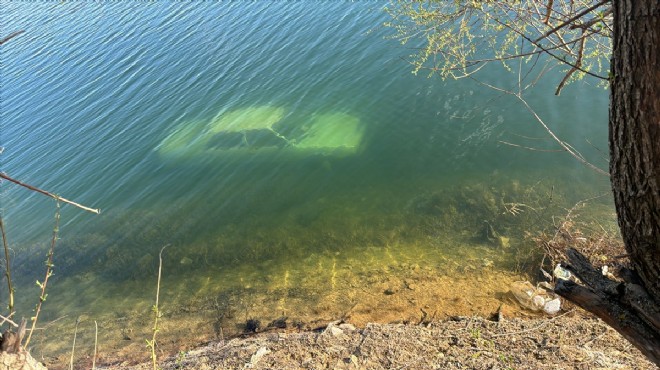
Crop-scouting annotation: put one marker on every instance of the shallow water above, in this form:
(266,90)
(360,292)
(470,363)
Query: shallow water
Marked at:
(204,127)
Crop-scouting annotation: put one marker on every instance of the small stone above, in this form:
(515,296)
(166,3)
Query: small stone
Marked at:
(503,242)
(335,331)
(258,355)
(538,302)
(552,307)
(279,323)
(410,284)
(186,261)
(347,327)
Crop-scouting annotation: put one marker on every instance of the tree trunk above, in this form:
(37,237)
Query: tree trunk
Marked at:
(631,307)
(634,134)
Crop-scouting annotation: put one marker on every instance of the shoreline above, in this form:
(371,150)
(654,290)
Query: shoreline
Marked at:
(572,340)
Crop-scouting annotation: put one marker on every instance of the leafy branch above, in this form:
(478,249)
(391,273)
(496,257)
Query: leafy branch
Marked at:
(16,340)
(49,273)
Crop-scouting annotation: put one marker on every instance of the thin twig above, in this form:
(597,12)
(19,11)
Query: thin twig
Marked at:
(530,148)
(578,64)
(548,12)
(49,273)
(73,348)
(152,343)
(7,267)
(561,143)
(8,320)
(572,19)
(532,329)
(593,21)
(96,340)
(49,194)
(11,36)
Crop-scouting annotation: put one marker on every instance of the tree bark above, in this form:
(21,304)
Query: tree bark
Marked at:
(634,140)
(634,134)
(625,306)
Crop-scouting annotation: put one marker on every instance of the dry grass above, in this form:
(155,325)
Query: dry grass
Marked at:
(602,245)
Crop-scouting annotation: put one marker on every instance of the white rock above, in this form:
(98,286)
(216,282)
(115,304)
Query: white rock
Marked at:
(335,331)
(538,301)
(553,306)
(347,327)
(261,352)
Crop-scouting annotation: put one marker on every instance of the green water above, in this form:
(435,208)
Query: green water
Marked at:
(290,169)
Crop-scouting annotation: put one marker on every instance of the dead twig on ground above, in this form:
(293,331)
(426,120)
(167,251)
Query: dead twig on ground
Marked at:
(545,322)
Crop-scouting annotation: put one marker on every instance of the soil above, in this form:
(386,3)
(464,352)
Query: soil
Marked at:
(572,340)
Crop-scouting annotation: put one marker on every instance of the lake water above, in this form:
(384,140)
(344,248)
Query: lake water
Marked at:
(287,156)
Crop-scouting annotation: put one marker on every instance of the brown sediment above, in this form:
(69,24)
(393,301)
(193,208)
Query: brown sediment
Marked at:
(569,341)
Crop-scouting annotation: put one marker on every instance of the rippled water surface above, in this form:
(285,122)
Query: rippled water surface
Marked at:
(284,153)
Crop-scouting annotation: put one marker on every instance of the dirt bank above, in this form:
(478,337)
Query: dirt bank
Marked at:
(570,341)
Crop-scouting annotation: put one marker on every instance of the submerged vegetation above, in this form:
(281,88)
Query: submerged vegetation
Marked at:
(497,214)
(316,261)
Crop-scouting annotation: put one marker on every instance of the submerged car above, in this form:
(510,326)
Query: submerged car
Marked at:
(264,129)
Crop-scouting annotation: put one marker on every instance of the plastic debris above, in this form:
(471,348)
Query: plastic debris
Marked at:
(561,273)
(535,298)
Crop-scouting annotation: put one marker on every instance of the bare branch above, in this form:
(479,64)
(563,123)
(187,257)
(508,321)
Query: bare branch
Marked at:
(578,64)
(49,273)
(11,36)
(46,193)
(530,148)
(8,320)
(546,50)
(593,21)
(572,19)
(548,12)
(10,288)
(561,143)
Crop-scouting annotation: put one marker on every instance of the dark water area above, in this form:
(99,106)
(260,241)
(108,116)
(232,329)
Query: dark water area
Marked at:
(275,149)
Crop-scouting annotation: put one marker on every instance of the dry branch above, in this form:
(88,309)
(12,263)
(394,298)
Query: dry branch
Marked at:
(49,194)
(10,288)
(11,36)
(624,306)
(572,19)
